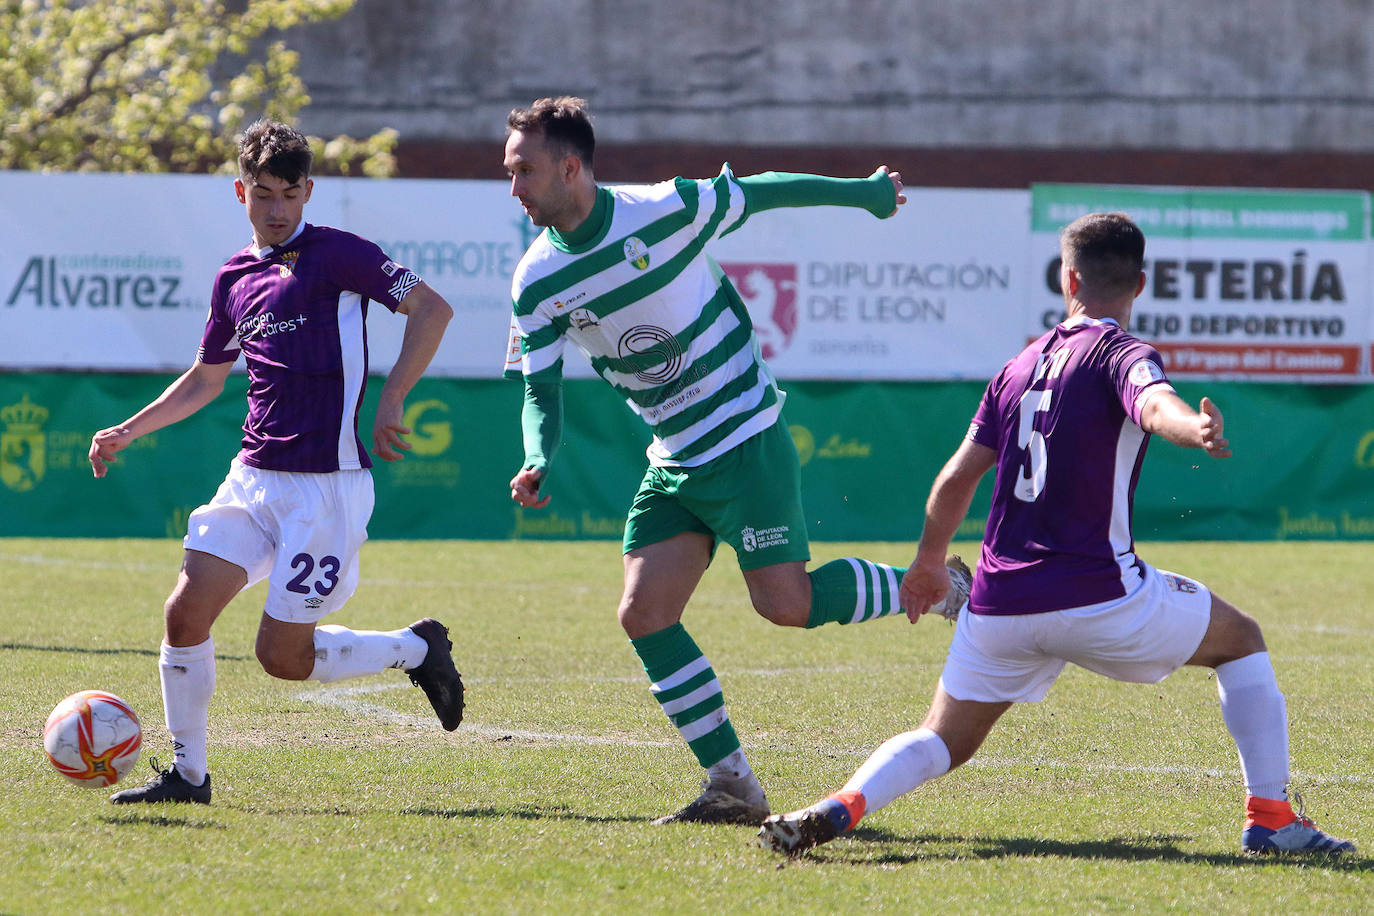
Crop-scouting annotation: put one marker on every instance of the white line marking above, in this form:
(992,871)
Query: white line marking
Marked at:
(343,698)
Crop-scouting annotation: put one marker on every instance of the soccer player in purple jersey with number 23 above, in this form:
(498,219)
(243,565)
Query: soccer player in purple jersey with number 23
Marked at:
(295,505)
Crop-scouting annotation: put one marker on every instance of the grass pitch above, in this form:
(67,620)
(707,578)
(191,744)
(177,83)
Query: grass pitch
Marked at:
(348,798)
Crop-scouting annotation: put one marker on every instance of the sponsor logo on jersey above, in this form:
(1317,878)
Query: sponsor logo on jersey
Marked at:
(1144,372)
(770,292)
(260,327)
(390,267)
(583,319)
(653,348)
(23,449)
(560,304)
(637,253)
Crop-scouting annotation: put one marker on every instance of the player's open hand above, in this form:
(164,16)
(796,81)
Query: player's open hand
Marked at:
(1211,427)
(388,432)
(388,442)
(524,489)
(104,445)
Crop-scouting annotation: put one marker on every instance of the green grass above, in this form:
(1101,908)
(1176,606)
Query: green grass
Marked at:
(348,798)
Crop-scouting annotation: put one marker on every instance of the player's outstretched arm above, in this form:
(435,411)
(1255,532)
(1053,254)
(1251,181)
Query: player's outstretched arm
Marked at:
(427,315)
(1168,415)
(879,193)
(195,388)
(927,581)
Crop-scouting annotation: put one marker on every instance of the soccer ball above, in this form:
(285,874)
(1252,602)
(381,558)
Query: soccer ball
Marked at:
(93,738)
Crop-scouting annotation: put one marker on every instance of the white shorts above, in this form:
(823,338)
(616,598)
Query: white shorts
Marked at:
(1143,638)
(301,532)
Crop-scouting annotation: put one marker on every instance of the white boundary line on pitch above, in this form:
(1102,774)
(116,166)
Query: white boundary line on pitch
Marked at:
(344,698)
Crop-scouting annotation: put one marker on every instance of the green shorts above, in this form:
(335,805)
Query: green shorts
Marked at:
(750,497)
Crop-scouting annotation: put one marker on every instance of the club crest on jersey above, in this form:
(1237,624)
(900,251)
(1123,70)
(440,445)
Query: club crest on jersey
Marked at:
(637,253)
(288,263)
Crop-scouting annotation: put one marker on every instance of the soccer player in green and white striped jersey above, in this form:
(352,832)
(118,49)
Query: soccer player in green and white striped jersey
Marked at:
(622,273)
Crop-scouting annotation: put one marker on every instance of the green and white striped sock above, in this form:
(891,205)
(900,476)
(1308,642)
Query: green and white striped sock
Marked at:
(853,590)
(686,687)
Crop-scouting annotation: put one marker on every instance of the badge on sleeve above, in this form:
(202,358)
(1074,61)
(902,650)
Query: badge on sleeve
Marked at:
(1144,372)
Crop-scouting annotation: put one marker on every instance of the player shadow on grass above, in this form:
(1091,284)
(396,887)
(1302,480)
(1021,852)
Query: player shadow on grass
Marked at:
(875,847)
(141,819)
(526,812)
(88,650)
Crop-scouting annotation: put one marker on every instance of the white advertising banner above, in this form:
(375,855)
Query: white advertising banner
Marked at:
(1240,283)
(935,292)
(110,271)
(113,272)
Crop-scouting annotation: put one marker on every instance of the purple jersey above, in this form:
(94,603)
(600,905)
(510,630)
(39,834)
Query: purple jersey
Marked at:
(298,312)
(1063,418)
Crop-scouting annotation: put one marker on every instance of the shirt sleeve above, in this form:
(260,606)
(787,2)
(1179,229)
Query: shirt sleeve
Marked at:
(770,190)
(534,347)
(1138,373)
(541,423)
(362,267)
(984,427)
(219,343)
(715,207)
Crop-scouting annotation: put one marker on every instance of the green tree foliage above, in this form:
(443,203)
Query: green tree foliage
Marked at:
(149,85)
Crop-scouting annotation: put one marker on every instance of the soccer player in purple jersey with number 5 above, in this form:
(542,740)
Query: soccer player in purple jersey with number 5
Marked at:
(1065,424)
(295,505)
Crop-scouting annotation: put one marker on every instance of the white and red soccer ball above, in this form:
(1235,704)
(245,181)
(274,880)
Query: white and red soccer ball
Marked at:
(93,738)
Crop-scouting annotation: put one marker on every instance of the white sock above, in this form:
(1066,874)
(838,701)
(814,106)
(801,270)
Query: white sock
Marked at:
(341,653)
(899,765)
(734,774)
(188,682)
(1257,718)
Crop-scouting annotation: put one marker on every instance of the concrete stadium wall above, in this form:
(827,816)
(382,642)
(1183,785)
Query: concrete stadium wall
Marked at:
(1259,77)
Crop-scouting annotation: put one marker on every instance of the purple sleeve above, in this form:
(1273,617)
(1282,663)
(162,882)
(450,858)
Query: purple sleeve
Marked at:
(220,342)
(984,428)
(1138,373)
(362,267)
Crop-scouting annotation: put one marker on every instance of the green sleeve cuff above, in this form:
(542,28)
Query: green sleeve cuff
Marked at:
(541,423)
(770,190)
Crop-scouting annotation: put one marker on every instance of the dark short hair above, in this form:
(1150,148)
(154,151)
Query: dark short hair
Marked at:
(563,121)
(276,148)
(1107,250)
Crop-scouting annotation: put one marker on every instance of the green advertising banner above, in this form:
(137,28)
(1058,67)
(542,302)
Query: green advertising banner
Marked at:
(1303,465)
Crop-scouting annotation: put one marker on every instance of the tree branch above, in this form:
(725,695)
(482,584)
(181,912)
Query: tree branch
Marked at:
(72,102)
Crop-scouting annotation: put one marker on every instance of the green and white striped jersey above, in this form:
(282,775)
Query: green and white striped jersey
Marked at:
(655,315)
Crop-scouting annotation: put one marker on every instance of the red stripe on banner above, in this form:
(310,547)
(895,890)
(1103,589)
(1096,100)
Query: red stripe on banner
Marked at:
(1260,360)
